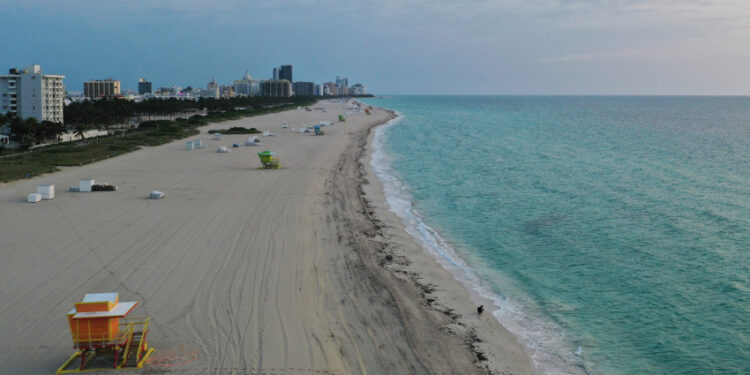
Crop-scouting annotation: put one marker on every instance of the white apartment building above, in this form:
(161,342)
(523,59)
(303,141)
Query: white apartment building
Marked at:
(255,88)
(29,93)
(358,89)
(242,86)
(247,86)
(212,89)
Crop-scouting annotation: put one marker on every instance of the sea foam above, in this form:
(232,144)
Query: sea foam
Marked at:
(549,350)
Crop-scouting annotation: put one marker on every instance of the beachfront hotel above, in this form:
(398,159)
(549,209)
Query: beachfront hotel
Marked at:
(304,88)
(276,88)
(29,93)
(358,89)
(144,87)
(247,86)
(101,88)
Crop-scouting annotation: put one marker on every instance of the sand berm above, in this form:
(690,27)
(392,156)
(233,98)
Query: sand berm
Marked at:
(301,270)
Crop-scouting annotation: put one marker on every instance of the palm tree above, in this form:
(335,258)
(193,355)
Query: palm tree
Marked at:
(81,129)
(19,129)
(51,130)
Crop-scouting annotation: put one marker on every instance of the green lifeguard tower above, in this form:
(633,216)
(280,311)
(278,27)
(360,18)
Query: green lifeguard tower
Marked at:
(269,160)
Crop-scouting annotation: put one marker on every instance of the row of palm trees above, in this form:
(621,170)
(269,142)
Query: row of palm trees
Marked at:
(108,112)
(31,131)
(105,112)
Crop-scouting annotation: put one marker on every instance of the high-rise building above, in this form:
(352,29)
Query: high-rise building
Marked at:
(358,89)
(276,72)
(213,89)
(29,93)
(342,81)
(276,88)
(101,88)
(304,88)
(243,87)
(286,73)
(144,87)
(255,88)
(227,92)
(332,90)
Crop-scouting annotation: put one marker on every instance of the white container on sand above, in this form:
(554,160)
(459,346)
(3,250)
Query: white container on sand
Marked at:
(157,194)
(217,136)
(85,185)
(188,145)
(46,191)
(33,198)
(223,149)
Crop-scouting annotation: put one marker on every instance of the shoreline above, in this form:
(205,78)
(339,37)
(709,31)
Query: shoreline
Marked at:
(492,347)
(509,322)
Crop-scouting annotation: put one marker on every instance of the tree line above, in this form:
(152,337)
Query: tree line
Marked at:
(106,112)
(31,131)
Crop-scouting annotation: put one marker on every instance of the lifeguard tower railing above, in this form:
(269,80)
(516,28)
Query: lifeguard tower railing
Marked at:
(137,327)
(128,326)
(132,334)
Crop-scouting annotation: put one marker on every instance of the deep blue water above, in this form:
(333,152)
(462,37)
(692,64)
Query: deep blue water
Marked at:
(616,230)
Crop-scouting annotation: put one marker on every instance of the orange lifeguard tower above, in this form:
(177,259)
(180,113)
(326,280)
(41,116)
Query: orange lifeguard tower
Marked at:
(102,334)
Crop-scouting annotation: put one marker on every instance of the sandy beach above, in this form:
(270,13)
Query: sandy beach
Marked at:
(301,270)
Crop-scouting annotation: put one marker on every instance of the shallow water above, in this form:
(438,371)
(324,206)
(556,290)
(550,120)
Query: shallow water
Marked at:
(613,232)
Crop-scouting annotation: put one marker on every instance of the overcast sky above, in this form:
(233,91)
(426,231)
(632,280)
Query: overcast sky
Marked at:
(683,47)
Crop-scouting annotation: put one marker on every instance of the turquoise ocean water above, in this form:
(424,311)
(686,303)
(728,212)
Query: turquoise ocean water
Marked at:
(612,233)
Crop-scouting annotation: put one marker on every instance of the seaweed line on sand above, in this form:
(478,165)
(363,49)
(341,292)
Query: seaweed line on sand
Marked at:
(390,259)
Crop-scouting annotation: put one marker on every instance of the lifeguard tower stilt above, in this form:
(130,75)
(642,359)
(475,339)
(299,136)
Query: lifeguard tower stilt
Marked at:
(102,336)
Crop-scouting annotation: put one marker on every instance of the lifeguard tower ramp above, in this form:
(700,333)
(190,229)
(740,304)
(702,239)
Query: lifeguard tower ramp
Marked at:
(103,337)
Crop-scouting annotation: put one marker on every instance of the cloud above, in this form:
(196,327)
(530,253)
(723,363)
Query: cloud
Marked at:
(401,42)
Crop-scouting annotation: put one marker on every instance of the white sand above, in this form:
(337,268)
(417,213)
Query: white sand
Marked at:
(242,270)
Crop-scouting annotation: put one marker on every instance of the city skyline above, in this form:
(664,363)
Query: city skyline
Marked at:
(156,83)
(146,86)
(682,47)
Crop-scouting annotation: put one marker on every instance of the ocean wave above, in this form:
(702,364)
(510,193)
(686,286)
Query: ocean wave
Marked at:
(551,352)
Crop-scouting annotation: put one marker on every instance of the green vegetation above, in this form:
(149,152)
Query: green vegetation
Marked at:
(29,131)
(47,159)
(236,130)
(108,112)
(149,133)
